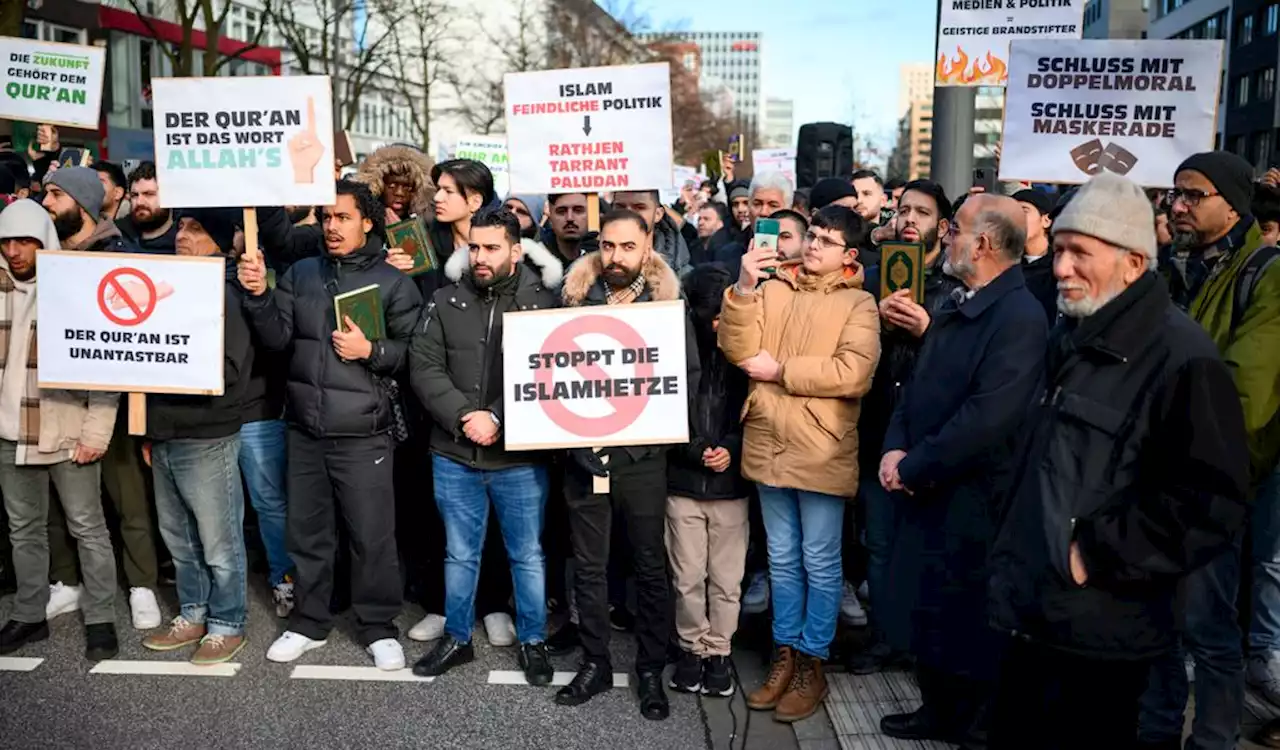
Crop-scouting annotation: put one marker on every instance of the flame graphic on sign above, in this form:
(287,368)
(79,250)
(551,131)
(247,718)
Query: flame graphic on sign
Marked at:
(958,71)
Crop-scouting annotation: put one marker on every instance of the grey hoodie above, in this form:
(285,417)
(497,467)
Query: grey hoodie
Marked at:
(26,218)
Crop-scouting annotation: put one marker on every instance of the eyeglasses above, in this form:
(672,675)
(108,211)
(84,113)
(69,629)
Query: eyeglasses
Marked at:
(822,243)
(1190,198)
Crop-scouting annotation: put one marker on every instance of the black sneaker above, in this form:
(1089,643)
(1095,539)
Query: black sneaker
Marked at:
(717,678)
(687,676)
(621,619)
(14,635)
(565,640)
(593,678)
(100,641)
(447,654)
(653,699)
(879,657)
(532,658)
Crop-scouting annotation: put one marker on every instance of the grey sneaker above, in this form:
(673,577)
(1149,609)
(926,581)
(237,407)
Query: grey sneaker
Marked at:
(1262,672)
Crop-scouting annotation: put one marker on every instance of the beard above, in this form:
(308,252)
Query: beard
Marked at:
(929,239)
(962,267)
(297,213)
(495,275)
(155,219)
(1082,308)
(68,224)
(620,277)
(1185,240)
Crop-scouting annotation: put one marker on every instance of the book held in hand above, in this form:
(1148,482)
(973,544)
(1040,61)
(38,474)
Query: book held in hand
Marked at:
(902,267)
(411,236)
(364,307)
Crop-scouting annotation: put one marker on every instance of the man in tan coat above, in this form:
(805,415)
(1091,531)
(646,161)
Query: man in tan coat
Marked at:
(809,339)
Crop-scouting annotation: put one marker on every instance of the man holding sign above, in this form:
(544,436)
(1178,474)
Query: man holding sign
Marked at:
(625,270)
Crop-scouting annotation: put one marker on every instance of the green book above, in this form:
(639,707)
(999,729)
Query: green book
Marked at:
(902,267)
(364,307)
(411,236)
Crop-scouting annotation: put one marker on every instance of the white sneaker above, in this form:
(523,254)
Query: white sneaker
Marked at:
(756,599)
(864,593)
(290,646)
(387,654)
(144,608)
(851,610)
(428,628)
(1262,673)
(499,629)
(63,599)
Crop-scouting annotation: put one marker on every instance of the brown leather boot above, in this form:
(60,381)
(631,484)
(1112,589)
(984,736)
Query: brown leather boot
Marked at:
(766,696)
(805,693)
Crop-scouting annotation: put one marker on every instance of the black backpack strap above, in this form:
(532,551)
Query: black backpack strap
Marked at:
(1254,267)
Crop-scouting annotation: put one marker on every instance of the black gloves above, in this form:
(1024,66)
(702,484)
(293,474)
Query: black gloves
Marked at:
(589,461)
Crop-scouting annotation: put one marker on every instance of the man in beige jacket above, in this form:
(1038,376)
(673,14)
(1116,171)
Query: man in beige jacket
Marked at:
(809,339)
(48,435)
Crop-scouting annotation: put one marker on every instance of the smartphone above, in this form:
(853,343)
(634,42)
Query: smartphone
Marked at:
(766,235)
(985,178)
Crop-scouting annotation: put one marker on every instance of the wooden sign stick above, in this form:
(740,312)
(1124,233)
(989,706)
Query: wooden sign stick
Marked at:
(137,413)
(251,249)
(599,485)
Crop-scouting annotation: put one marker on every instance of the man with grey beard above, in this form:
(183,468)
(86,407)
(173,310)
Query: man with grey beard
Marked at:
(1133,473)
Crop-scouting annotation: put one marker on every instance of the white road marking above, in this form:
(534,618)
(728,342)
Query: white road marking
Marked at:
(170,668)
(19,663)
(516,677)
(360,674)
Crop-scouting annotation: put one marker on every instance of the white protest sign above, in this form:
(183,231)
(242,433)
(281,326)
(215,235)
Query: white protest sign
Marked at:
(49,82)
(974,35)
(775,160)
(590,129)
(252,141)
(680,176)
(131,323)
(1075,108)
(595,376)
(490,151)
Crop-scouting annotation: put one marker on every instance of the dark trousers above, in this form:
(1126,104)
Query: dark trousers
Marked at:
(353,475)
(1050,699)
(959,706)
(638,492)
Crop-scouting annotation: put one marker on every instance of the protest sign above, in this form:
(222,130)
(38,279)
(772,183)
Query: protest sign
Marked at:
(590,129)
(50,82)
(1075,108)
(680,175)
(974,35)
(135,323)
(591,377)
(775,160)
(490,151)
(252,141)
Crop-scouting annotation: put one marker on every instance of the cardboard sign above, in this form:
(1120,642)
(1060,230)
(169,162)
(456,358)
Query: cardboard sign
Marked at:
(1075,108)
(680,174)
(595,376)
(974,35)
(775,160)
(49,82)
(590,129)
(253,141)
(490,151)
(135,323)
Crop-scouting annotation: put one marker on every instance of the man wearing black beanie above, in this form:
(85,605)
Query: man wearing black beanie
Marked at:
(1223,274)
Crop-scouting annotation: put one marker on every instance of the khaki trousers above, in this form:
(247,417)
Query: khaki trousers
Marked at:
(707,546)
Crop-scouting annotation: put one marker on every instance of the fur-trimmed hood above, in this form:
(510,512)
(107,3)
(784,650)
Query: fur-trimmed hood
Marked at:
(551,269)
(404,160)
(663,286)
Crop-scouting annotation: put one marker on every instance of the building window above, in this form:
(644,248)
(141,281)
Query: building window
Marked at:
(1238,146)
(1265,87)
(1261,147)
(1272,17)
(1242,91)
(1244,33)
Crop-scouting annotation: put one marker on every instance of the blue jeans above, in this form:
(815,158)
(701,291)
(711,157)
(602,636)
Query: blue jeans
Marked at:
(519,496)
(1211,634)
(804,530)
(881,526)
(200,506)
(263,464)
(1264,627)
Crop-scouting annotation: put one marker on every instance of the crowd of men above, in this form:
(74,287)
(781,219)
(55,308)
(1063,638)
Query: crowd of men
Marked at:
(1052,454)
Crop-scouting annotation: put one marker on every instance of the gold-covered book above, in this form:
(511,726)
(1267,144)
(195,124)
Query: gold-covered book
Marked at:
(411,236)
(364,307)
(902,267)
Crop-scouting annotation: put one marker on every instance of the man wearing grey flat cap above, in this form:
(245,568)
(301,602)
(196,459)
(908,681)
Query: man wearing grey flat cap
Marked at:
(1133,474)
(73,197)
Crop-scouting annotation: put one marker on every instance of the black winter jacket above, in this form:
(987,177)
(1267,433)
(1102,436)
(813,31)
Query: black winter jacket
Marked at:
(455,361)
(177,417)
(166,243)
(327,397)
(715,421)
(1136,451)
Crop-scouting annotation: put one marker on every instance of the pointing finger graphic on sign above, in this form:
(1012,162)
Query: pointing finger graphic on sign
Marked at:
(305,148)
(130,293)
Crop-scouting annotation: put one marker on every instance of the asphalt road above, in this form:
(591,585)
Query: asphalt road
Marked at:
(60,703)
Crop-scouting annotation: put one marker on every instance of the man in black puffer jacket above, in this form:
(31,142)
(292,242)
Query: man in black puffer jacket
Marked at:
(340,418)
(707,503)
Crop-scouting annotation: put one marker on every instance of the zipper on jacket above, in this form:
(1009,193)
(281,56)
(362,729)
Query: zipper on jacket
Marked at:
(484,366)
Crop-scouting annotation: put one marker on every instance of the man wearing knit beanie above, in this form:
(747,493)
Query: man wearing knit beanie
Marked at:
(73,198)
(833,190)
(1226,276)
(1143,406)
